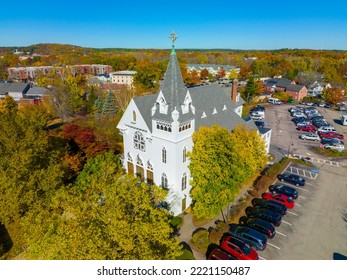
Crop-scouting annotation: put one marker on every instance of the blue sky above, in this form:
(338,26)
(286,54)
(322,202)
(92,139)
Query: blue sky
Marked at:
(262,24)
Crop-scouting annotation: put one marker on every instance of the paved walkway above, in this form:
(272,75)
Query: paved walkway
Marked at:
(188,227)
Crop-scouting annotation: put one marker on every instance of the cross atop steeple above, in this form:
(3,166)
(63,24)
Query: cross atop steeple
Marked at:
(173,38)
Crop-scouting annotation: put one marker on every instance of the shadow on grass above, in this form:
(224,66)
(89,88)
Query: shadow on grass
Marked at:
(5,240)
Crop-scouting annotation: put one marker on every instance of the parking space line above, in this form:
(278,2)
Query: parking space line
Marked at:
(302,189)
(261,258)
(310,184)
(280,233)
(296,204)
(302,197)
(286,223)
(292,213)
(274,246)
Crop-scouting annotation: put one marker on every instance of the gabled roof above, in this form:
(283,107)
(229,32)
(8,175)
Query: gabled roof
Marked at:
(279,82)
(13,87)
(295,88)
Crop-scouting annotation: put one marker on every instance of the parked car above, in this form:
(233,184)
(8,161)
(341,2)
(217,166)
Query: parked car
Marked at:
(331,135)
(238,248)
(219,254)
(281,198)
(249,235)
(292,179)
(284,189)
(342,108)
(328,105)
(260,225)
(307,128)
(265,214)
(328,128)
(334,146)
(271,205)
(304,123)
(299,119)
(310,136)
(260,123)
(257,108)
(257,117)
(331,140)
(298,114)
(292,109)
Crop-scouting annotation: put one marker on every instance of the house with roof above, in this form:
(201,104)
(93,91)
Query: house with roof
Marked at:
(277,84)
(157,130)
(297,92)
(316,88)
(123,77)
(15,90)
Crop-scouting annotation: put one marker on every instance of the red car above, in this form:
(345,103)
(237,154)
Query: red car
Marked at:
(331,135)
(219,254)
(307,128)
(281,198)
(238,248)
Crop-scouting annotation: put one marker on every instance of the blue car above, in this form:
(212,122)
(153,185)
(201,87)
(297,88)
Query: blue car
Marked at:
(292,179)
(249,235)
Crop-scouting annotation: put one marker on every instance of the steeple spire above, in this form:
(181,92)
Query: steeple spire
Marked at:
(173,38)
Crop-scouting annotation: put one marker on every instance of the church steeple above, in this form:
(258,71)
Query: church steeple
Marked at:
(173,38)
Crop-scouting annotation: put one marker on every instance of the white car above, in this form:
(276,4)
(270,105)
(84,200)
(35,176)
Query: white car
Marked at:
(310,136)
(326,129)
(334,146)
(257,117)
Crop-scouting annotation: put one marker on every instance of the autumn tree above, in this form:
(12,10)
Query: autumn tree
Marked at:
(233,74)
(333,95)
(219,162)
(30,166)
(221,72)
(147,75)
(204,74)
(104,215)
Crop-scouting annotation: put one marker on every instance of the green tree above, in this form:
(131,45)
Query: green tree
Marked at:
(104,215)
(110,104)
(219,162)
(98,104)
(91,98)
(148,75)
(8,105)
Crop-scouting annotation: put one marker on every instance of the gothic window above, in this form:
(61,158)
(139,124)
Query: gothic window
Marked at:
(139,141)
(149,165)
(163,155)
(164,182)
(184,154)
(139,161)
(184,181)
(134,116)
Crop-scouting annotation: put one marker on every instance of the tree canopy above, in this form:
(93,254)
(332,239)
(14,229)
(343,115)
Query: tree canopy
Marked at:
(219,162)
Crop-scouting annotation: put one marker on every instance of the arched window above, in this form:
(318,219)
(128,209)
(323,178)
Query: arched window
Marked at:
(164,182)
(134,116)
(184,154)
(163,155)
(139,141)
(184,181)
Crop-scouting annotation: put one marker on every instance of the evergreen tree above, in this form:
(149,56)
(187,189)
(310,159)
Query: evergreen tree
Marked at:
(98,104)
(109,107)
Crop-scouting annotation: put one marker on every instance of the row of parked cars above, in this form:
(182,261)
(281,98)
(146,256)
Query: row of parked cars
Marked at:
(253,230)
(309,120)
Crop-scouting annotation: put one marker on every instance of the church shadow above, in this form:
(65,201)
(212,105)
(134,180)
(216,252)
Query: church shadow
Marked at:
(5,240)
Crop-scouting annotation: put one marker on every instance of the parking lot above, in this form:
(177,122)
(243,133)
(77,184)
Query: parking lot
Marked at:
(316,227)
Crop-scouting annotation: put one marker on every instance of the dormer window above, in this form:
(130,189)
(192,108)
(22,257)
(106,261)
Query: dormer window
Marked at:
(214,111)
(203,115)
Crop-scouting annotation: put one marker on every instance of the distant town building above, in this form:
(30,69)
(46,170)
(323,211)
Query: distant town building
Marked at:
(123,77)
(15,90)
(30,73)
(213,69)
(297,92)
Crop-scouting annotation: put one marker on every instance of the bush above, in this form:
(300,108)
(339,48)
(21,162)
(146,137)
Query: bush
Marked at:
(236,211)
(217,233)
(200,240)
(186,255)
(176,222)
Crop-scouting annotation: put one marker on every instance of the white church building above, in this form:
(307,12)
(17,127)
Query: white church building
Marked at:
(157,130)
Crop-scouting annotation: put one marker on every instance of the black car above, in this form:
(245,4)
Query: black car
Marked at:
(249,235)
(258,224)
(265,214)
(299,119)
(260,123)
(270,204)
(257,108)
(284,189)
(292,179)
(332,140)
